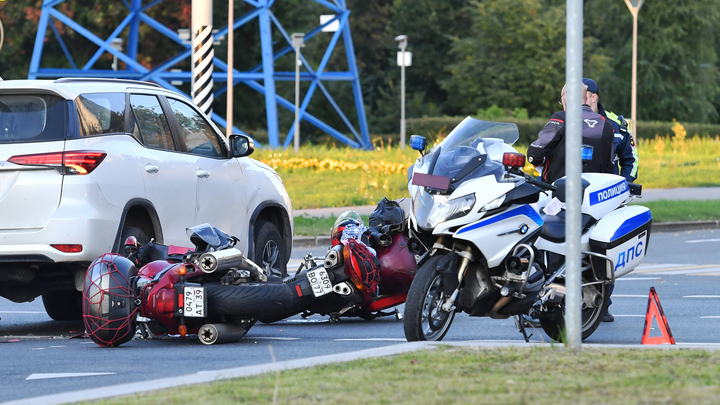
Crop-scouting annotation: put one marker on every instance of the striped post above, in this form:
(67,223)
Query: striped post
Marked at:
(202,55)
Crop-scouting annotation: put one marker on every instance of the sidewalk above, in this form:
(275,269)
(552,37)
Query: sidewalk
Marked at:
(651,194)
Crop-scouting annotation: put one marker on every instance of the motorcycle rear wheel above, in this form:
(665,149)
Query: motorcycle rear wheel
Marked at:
(591,318)
(423,318)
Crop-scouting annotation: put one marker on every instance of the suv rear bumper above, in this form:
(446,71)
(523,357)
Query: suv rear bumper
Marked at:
(96,236)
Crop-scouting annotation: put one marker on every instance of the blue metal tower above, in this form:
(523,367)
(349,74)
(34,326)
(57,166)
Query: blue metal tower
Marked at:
(261,78)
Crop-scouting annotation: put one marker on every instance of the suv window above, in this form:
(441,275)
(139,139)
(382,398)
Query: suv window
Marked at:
(150,124)
(200,137)
(25,118)
(101,113)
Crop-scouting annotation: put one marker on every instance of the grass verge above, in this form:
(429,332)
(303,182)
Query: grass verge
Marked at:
(662,211)
(478,376)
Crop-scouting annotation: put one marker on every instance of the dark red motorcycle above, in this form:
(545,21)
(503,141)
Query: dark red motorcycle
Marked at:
(217,293)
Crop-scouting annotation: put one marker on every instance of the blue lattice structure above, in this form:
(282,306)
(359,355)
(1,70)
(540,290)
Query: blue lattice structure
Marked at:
(261,78)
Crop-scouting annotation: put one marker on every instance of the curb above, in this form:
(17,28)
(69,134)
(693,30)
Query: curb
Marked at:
(217,375)
(324,240)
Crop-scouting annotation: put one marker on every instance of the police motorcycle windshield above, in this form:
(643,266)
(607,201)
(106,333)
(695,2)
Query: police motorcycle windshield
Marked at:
(206,237)
(460,157)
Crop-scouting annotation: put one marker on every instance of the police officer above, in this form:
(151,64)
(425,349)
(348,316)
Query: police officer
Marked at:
(624,152)
(548,150)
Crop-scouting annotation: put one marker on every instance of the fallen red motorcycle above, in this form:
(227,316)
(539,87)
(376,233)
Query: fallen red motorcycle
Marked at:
(219,294)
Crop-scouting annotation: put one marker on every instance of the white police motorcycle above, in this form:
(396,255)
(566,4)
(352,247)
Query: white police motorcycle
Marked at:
(487,251)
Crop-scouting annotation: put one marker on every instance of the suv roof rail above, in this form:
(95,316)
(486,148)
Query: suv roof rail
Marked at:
(96,79)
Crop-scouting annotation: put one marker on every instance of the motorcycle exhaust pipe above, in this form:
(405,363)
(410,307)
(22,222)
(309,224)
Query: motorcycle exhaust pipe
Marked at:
(221,260)
(554,294)
(343,288)
(212,333)
(333,257)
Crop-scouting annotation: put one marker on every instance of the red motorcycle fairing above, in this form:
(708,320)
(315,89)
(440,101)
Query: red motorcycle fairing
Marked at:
(397,266)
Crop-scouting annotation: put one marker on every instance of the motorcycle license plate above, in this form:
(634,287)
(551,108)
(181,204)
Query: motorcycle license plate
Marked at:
(194,300)
(319,281)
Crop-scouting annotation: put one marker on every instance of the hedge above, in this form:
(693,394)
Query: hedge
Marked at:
(440,126)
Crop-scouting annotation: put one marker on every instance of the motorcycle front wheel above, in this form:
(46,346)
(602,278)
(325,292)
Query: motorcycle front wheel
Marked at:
(424,318)
(591,316)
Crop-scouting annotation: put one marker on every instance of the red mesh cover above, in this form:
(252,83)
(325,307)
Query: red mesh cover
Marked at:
(107,284)
(367,264)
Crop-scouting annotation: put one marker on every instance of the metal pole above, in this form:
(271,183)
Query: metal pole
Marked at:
(230,67)
(402,101)
(296,136)
(633,101)
(573,170)
(202,55)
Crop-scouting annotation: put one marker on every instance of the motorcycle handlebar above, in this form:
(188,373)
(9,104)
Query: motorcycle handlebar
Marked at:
(531,180)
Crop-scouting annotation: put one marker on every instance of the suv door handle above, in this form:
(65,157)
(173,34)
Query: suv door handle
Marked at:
(151,169)
(202,174)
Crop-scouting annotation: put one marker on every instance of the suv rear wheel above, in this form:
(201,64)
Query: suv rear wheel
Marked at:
(63,305)
(270,249)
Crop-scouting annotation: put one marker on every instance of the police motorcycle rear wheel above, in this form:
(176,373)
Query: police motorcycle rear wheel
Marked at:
(594,297)
(424,318)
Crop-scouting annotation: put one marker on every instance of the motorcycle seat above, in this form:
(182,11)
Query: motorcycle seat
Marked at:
(553,228)
(559,193)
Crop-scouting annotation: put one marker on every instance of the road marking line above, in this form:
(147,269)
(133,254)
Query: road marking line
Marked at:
(637,279)
(22,312)
(373,340)
(629,316)
(629,296)
(710,317)
(701,296)
(38,348)
(272,338)
(57,346)
(44,376)
(702,240)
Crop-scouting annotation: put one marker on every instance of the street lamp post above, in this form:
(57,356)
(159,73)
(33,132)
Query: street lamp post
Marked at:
(116,44)
(403,59)
(298,41)
(230,67)
(634,7)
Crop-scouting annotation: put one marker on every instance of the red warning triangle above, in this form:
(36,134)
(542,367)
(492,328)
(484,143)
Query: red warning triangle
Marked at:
(654,310)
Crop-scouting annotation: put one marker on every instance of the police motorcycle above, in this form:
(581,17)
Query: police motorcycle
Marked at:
(489,252)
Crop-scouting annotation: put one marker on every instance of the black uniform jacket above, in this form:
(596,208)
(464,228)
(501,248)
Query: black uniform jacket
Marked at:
(548,150)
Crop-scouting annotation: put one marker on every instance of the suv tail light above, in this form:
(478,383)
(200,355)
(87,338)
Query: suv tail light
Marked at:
(68,248)
(74,162)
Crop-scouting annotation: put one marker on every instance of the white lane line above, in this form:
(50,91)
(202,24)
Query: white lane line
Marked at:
(710,317)
(629,296)
(637,279)
(38,348)
(272,338)
(701,296)
(702,240)
(373,340)
(23,312)
(57,346)
(44,376)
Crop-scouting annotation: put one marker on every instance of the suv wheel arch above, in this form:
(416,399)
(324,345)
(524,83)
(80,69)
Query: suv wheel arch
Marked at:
(278,216)
(139,213)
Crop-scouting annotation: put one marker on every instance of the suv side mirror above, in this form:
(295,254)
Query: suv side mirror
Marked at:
(241,145)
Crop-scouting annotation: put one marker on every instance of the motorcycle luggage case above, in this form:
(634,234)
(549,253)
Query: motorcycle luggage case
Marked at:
(622,236)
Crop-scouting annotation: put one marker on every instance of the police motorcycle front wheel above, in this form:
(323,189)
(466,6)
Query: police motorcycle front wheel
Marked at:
(424,318)
(594,300)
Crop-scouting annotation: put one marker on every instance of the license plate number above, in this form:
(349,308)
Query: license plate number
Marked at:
(194,302)
(319,281)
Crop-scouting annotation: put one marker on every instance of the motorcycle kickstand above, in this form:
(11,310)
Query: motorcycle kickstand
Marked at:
(521,327)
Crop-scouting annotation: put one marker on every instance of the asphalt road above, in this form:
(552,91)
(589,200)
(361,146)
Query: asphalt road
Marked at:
(37,353)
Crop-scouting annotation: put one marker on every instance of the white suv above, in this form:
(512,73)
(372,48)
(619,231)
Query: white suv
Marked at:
(85,163)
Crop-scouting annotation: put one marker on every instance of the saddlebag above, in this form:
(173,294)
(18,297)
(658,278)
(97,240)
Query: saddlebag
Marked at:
(622,237)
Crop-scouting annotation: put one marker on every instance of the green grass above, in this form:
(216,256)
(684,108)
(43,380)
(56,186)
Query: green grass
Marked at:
(683,210)
(478,376)
(662,211)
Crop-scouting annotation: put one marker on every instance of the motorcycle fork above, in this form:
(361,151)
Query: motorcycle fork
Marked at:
(466,257)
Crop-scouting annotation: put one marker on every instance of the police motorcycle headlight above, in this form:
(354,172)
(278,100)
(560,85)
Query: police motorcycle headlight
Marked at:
(496,203)
(444,209)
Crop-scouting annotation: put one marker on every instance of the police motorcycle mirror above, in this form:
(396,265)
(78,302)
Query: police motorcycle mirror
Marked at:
(587,154)
(418,143)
